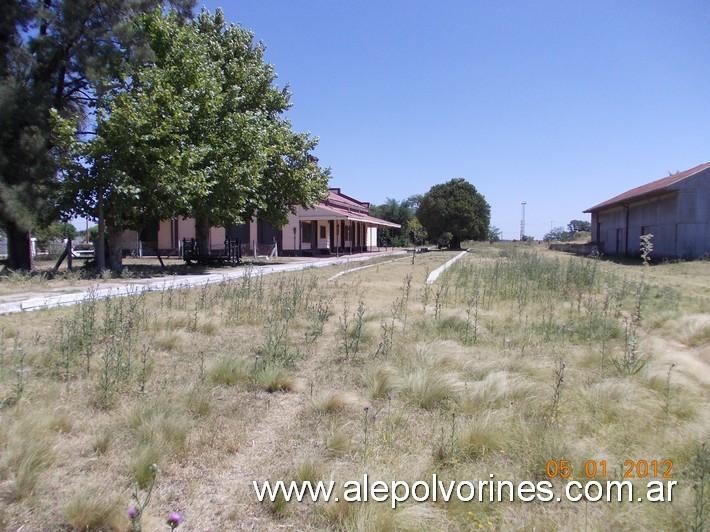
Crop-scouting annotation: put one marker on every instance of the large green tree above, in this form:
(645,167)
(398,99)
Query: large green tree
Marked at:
(198,132)
(255,163)
(57,57)
(455,207)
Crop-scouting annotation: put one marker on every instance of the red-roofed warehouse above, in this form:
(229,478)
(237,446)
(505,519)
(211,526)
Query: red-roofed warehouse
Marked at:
(675,209)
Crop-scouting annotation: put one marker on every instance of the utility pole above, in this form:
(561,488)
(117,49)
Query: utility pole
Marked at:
(522,222)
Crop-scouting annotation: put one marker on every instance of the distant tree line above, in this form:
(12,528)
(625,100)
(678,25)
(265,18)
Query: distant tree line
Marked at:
(404,213)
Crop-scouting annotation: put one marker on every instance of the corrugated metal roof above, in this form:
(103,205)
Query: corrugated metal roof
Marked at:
(652,188)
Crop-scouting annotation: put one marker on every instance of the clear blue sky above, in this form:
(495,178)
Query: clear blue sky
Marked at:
(555,103)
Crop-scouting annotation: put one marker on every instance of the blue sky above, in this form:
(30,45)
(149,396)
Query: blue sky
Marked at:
(560,104)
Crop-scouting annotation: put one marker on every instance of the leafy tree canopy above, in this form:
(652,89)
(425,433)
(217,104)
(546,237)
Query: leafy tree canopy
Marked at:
(493,234)
(55,231)
(558,234)
(57,58)
(578,226)
(199,132)
(455,207)
(403,213)
(574,227)
(393,210)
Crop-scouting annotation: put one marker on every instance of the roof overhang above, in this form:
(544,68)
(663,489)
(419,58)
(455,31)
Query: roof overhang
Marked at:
(645,198)
(324,212)
(649,190)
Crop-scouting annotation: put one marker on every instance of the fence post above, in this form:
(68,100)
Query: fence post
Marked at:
(69,254)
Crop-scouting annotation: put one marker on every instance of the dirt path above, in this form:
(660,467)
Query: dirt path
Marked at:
(226,495)
(226,492)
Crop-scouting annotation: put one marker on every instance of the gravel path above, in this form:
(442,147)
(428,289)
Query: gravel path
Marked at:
(27,302)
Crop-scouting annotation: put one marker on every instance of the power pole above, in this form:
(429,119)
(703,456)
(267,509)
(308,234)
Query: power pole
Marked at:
(522,221)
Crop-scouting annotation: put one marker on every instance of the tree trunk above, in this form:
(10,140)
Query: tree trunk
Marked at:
(115,250)
(19,247)
(202,234)
(99,251)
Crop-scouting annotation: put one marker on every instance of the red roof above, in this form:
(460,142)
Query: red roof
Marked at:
(351,209)
(649,189)
(358,216)
(336,198)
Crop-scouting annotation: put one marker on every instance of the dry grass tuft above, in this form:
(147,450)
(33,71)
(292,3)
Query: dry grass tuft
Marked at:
(380,382)
(198,401)
(279,506)
(94,509)
(333,402)
(310,470)
(167,340)
(420,516)
(693,330)
(28,453)
(159,421)
(61,421)
(338,443)
(430,388)
(102,441)
(339,514)
(144,458)
(275,379)
(159,431)
(500,389)
(230,371)
(480,437)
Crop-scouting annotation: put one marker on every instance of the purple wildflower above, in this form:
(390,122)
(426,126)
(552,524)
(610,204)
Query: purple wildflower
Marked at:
(132,512)
(174,520)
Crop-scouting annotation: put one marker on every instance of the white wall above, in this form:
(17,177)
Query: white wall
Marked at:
(371,237)
(323,243)
(287,234)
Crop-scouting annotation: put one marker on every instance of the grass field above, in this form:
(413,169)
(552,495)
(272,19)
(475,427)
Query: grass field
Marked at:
(514,357)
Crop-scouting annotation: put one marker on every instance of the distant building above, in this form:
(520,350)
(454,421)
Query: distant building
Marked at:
(338,224)
(675,209)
